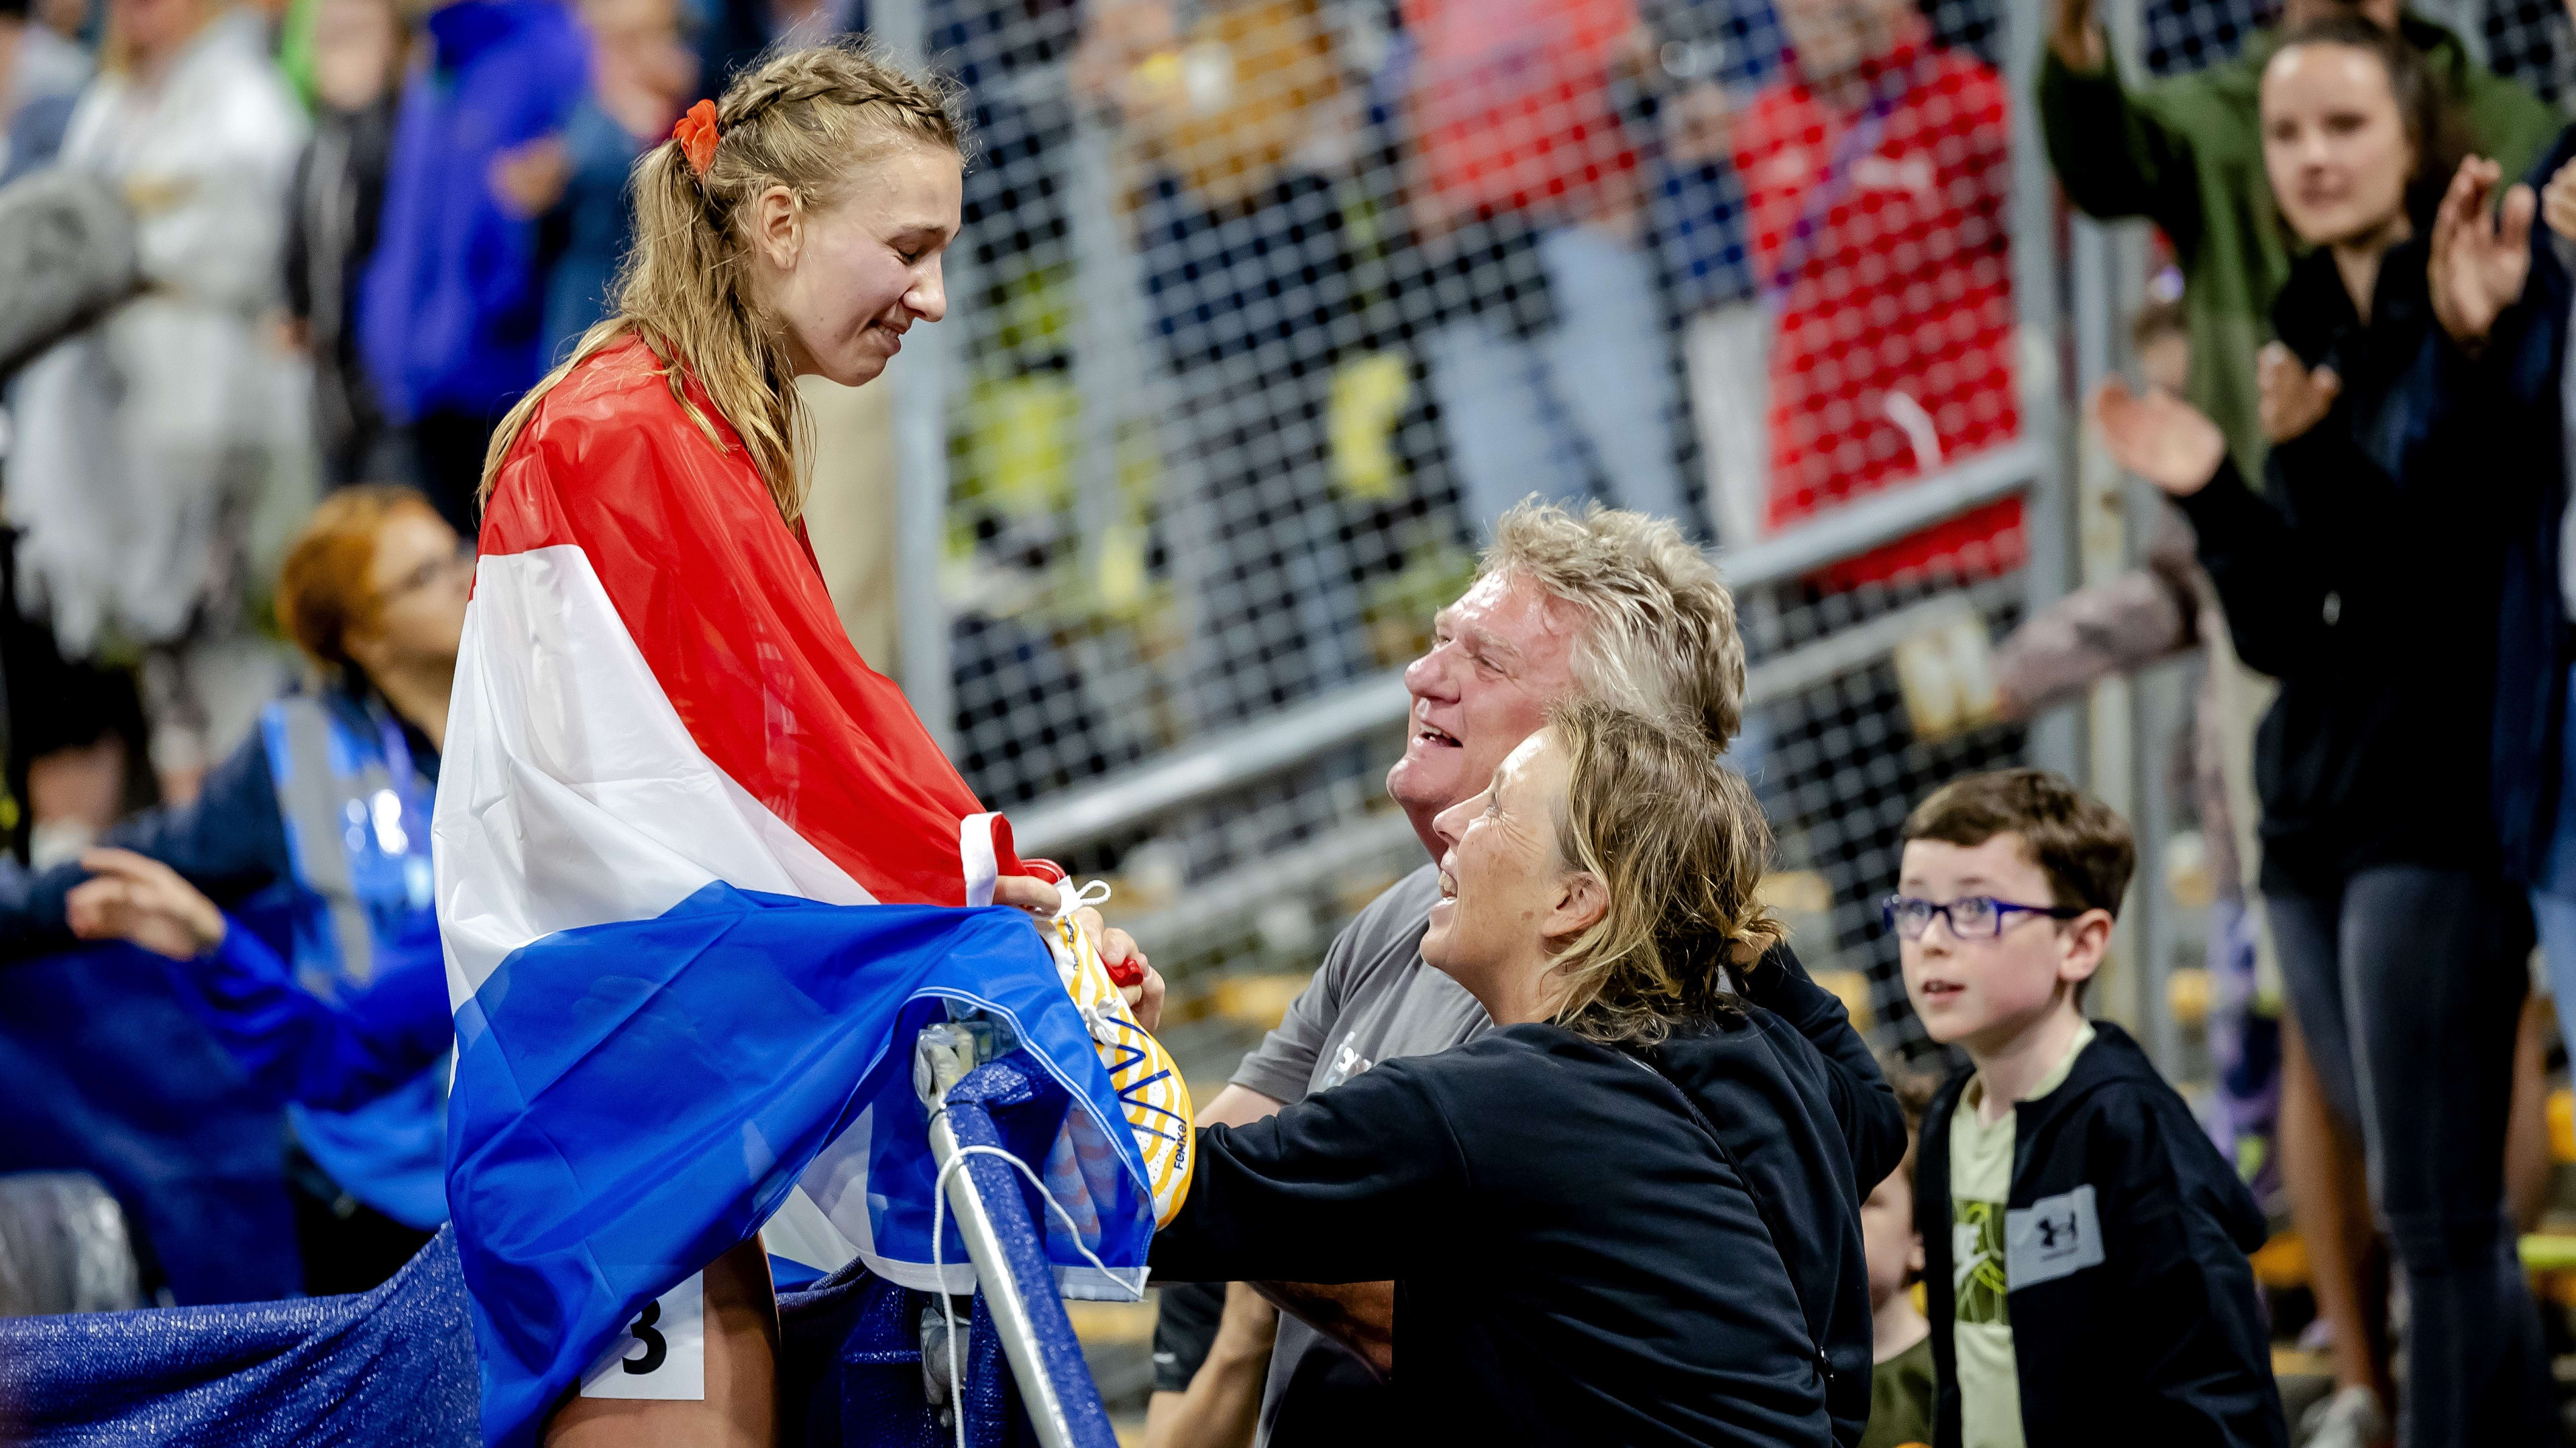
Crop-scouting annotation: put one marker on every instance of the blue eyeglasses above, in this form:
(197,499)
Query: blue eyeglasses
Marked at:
(1971,917)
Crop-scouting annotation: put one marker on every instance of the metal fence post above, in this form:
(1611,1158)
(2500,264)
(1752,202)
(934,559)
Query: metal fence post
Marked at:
(921,380)
(2107,273)
(2046,511)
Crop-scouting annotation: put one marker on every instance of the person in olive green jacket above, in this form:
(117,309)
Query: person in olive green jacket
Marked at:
(2187,154)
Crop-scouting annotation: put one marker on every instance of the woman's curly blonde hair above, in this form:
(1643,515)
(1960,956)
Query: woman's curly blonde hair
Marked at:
(806,120)
(1679,845)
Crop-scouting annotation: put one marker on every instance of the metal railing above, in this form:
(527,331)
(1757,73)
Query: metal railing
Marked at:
(1212,767)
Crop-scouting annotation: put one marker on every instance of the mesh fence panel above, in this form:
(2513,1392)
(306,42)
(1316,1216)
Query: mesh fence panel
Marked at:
(1270,307)
(2523,40)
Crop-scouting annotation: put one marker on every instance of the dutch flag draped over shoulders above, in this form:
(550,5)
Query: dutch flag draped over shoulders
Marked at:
(701,877)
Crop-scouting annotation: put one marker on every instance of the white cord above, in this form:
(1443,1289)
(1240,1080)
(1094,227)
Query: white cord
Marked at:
(938,1266)
(1069,899)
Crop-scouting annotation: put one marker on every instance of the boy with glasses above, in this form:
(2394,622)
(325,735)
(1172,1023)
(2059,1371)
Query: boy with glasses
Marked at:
(2085,1245)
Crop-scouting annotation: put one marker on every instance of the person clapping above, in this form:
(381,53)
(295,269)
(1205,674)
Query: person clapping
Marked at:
(2401,942)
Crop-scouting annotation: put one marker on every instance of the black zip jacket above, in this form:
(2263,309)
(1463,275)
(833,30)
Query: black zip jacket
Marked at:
(2498,428)
(1577,1257)
(2139,1326)
(2366,582)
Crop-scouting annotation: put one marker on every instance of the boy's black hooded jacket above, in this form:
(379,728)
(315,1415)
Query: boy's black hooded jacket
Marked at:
(2161,1340)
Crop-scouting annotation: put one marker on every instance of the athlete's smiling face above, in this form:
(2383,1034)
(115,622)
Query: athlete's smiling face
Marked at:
(848,279)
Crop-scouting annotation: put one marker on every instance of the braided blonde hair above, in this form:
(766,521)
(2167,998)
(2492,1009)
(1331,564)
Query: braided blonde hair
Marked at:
(1679,845)
(805,120)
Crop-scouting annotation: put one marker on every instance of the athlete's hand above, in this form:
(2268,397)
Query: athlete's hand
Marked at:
(1139,984)
(2294,398)
(2158,436)
(2479,266)
(1144,998)
(131,897)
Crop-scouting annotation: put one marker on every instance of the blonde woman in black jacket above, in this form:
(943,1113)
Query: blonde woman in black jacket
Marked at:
(1630,1214)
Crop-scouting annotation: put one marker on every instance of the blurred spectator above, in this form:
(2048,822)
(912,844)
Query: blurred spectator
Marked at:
(374,591)
(1901,1386)
(146,440)
(2403,949)
(2268,1094)
(1248,267)
(2186,154)
(331,229)
(451,318)
(1550,363)
(73,20)
(1878,179)
(2517,392)
(642,75)
(734,33)
(40,75)
(67,761)
(75,736)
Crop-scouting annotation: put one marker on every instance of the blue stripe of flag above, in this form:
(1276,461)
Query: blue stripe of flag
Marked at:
(633,1099)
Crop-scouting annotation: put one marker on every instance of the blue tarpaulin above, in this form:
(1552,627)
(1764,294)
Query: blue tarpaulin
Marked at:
(392,1368)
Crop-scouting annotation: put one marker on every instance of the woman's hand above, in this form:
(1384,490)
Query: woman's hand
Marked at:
(2160,437)
(2558,202)
(528,180)
(132,897)
(2479,267)
(2076,39)
(1118,949)
(2294,398)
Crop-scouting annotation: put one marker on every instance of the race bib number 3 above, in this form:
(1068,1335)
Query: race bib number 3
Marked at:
(663,1353)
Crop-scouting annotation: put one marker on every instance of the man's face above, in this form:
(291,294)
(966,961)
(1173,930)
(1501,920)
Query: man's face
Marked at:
(1983,993)
(1500,656)
(157,27)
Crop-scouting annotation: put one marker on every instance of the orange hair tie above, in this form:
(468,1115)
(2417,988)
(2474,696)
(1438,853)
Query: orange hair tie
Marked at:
(697,135)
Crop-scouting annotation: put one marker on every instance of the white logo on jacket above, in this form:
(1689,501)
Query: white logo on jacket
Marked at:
(2053,1237)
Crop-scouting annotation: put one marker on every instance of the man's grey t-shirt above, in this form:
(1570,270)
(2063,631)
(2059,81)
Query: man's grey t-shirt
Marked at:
(1372,1000)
